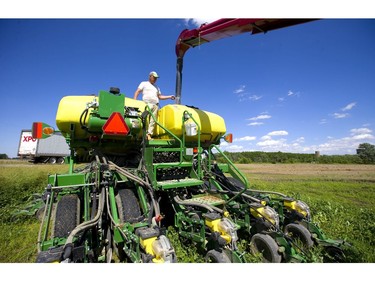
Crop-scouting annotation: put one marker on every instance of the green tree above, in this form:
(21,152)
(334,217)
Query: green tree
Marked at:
(4,156)
(366,152)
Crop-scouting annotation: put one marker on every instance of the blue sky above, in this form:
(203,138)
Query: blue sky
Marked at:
(299,89)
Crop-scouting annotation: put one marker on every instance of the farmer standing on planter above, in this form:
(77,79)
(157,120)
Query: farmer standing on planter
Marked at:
(151,95)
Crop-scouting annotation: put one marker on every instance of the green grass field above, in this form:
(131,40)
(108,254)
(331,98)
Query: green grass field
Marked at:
(341,199)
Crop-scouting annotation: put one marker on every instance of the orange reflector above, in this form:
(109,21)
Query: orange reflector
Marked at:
(37,131)
(115,125)
(195,150)
(228,138)
(48,130)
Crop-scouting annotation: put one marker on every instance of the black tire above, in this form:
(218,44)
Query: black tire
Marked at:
(267,246)
(60,160)
(52,160)
(128,206)
(214,256)
(67,214)
(299,232)
(334,254)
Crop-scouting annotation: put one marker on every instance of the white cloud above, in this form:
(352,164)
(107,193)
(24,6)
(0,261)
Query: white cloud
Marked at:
(247,138)
(289,94)
(266,137)
(255,124)
(244,96)
(300,140)
(272,144)
(360,131)
(255,97)
(363,137)
(277,141)
(197,22)
(361,134)
(323,121)
(235,148)
(346,145)
(241,89)
(340,115)
(349,106)
(278,133)
(260,117)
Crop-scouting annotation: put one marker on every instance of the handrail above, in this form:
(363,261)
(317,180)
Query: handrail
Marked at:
(234,171)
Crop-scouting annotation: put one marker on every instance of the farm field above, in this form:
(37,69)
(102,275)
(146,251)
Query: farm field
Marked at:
(341,199)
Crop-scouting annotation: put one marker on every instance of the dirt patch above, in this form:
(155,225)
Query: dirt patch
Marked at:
(359,172)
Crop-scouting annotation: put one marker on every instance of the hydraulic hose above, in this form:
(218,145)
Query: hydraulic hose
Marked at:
(82,118)
(248,197)
(109,209)
(139,181)
(270,192)
(254,190)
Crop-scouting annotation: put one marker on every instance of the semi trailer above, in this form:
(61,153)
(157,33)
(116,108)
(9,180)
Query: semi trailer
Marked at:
(50,150)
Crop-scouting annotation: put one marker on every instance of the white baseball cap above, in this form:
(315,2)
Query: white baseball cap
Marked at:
(153,73)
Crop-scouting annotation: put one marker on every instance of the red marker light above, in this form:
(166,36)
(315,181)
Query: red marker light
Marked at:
(116,125)
(37,131)
(228,138)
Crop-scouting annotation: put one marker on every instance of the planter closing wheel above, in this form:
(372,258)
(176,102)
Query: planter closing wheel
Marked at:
(67,216)
(214,256)
(267,246)
(299,232)
(128,206)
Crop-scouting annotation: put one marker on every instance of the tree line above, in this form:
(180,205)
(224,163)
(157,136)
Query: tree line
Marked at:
(365,155)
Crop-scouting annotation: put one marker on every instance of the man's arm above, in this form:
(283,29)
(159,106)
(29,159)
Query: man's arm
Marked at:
(136,93)
(161,97)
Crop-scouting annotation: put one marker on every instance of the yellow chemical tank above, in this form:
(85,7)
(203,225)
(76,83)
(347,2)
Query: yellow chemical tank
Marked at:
(71,108)
(212,126)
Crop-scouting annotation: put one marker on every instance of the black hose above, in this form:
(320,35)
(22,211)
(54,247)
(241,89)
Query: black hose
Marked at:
(151,214)
(82,120)
(67,251)
(94,205)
